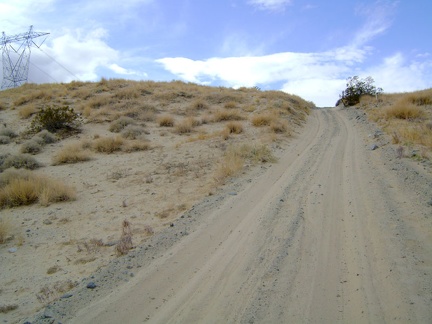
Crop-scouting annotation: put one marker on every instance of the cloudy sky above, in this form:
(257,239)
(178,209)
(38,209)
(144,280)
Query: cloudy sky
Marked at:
(304,47)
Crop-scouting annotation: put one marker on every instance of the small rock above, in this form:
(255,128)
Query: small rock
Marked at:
(12,250)
(430,202)
(232,193)
(66,296)
(47,222)
(91,285)
(48,313)
(374,147)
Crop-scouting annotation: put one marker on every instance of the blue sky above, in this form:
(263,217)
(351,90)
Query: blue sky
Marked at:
(304,47)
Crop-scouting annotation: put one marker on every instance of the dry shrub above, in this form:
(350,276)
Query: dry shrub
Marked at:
(403,110)
(255,153)
(419,98)
(71,153)
(262,119)
(185,126)
(136,145)
(31,146)
(20,161)
(230,105)
(231,163)
(125,242)
(118,125)
(234,127)
(127,93)
(5,230)
(8,132)
(227,115)
(225,133)
(7,308)
(100,101)
(199,104)
(4,139)
(132,131)
(108,144)
(416,134)
(279,127)
(166,121)
(25,188)
(46,137)
(48,294)
(27,111)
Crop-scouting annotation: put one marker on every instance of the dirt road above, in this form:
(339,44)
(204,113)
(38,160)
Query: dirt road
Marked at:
(333,232)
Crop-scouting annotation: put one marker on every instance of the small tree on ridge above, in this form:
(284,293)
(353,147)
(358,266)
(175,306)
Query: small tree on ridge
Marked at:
(356,88)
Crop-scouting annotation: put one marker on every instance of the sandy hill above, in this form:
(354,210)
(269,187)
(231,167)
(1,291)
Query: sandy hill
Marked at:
(144,153)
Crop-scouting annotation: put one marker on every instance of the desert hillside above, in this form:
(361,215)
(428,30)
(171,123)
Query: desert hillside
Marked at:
(406,118)
(137,156)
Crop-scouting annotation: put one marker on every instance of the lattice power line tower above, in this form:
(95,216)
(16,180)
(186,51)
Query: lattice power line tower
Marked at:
(16,51)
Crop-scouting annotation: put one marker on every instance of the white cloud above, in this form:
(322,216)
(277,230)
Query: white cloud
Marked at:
(323,92)
(122,71)
(293,69)
(75,55)
(272,5)
(397,74)
(378,19)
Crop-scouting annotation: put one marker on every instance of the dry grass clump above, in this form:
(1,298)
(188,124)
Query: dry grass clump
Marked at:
(255,153)
(280,127)
(237,155)
(185,126)
(71,153)
(166,121)
(48,294)
(119,124)
(132,131)
(125,242)
(230,105)
(136,145)
(199,104)
(404,110)
(108,144)
(5,230)
(19,188)
(227,115)
(264,119)
(234,127)
(27,111)
(230,165)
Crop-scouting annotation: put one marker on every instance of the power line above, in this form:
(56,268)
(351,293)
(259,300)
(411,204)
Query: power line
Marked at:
(76,78)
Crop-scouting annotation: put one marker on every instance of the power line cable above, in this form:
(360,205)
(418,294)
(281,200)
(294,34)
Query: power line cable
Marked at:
(34,65)
(59,64)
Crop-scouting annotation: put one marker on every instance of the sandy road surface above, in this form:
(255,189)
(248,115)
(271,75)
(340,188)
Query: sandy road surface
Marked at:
(328,234)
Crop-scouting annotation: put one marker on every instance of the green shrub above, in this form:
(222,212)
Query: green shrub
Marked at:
(32,147)
(4,139)
(55,119)
(20,161)
(47,137)
(8,132)
(356,88)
